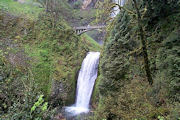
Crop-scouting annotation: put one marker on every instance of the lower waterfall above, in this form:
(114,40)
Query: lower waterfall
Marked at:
(85,84)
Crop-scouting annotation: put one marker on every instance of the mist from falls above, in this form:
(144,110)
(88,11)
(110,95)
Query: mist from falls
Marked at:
(85,84)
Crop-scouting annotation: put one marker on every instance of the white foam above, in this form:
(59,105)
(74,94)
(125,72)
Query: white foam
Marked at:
(76,110)
(85,84)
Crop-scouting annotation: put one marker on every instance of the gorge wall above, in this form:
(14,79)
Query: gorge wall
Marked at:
(88,4)
(45,53)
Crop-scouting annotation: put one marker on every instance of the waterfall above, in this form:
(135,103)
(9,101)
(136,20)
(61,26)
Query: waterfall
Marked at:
(85,84)
(116,9)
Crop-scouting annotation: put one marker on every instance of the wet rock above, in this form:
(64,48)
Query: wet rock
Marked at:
(1,78)
(21,1)
(59,117)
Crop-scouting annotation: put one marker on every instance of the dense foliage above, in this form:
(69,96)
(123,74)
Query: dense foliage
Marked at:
(124,90)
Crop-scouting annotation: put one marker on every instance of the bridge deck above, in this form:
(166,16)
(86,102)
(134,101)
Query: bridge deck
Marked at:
(82,29)
(89,27)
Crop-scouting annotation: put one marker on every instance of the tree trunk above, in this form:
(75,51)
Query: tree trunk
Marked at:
(144,47)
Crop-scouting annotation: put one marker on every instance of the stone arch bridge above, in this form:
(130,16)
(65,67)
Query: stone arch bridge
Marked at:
(82,29)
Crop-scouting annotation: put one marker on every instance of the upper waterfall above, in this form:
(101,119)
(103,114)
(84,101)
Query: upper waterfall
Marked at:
(116,9)
(85,84)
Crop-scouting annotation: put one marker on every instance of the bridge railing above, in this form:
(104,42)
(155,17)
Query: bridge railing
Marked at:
(89,27)
(83,29)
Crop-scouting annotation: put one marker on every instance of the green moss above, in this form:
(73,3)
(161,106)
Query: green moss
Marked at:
(28,9)
(90,43)
(95,96)
(42,67)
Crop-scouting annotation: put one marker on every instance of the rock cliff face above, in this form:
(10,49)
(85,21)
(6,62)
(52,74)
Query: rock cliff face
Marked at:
(21,1)
(88,4)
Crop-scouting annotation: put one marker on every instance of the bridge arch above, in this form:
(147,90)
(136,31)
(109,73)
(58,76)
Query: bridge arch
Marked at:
(82,29)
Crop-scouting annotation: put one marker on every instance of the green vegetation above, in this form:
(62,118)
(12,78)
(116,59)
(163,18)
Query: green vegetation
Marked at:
(27,9)
(91,43)
(40,58)
(77,4)
(123,89)
(21,93)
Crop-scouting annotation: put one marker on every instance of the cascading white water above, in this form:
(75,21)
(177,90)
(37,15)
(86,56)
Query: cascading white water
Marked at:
(85,84)
(116,9)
